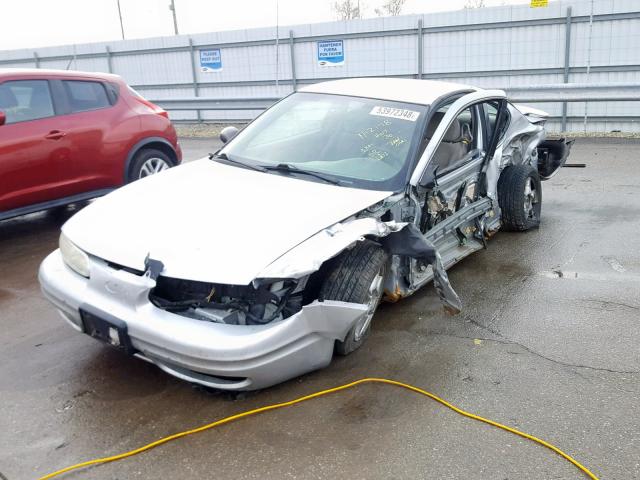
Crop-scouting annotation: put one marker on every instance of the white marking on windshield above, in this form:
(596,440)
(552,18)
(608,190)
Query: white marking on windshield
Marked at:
(400,113)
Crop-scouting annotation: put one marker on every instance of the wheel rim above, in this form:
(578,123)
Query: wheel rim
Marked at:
(152,166)
(531,199)
(375,294)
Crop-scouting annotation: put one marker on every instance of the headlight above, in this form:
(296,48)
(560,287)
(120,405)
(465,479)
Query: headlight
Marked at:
(76,259)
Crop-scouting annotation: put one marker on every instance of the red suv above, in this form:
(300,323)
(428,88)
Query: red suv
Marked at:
(71,136)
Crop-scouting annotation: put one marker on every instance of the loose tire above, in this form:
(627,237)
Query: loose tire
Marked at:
(520,198)
(357,276)
(148,161)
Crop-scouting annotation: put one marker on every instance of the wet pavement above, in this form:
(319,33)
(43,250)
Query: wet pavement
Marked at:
(548,342)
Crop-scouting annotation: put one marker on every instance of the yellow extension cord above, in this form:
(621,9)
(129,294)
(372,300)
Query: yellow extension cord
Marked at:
(275,406)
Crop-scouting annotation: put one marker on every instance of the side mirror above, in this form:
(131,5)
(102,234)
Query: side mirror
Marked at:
(228,133)
(3,118)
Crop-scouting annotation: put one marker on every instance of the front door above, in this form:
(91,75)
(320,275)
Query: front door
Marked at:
(33,150)
(450,176)
(454,174)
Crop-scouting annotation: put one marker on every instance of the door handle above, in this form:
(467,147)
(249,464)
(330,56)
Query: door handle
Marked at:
(54,135)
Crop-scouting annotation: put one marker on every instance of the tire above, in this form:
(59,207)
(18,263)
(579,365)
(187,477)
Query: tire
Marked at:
(520,198)
(148,161)
(357,276)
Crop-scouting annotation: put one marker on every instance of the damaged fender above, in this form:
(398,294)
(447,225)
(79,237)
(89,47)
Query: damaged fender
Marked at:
(309,256)
(411,242)
(397,238)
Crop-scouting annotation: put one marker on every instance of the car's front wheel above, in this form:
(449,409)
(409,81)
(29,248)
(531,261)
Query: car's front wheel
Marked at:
(358,277)
(520,197)
(148,161)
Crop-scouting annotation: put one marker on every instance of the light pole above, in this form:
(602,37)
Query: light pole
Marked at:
(172,7)
(277,44)
(120,16)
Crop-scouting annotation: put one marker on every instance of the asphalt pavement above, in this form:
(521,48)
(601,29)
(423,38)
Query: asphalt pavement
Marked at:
(548,342)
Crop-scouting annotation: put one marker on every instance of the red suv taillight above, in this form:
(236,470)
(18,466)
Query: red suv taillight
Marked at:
(152,106)
(156,109)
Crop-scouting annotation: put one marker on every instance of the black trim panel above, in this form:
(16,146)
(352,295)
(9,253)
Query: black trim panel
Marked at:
(54,203)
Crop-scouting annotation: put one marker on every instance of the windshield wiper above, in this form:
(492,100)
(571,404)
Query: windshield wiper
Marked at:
(225,157)
(287,167)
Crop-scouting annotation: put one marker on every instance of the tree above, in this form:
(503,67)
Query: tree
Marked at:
(347,9)
(390,8)
(474,4)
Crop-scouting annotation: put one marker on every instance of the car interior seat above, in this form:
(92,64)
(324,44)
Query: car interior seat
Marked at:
(455,145)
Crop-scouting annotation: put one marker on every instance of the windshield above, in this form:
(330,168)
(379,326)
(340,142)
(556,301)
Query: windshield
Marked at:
(357,142)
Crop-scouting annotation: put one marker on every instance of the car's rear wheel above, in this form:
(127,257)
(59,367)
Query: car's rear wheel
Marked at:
(357,276)
(520,197)
(148,161)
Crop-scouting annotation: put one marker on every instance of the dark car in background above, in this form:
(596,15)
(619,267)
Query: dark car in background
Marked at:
(72,136)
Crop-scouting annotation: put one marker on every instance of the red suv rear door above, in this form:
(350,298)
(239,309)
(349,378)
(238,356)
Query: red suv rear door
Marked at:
(91,127)
(33,150)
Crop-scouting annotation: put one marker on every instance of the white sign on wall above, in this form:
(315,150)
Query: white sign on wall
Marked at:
(330,53)
(210,60)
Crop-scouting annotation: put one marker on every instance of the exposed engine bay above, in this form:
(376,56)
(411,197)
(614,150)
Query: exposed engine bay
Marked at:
(229,304)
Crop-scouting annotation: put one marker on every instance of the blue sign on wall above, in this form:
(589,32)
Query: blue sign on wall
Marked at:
(330,53)
(210,60)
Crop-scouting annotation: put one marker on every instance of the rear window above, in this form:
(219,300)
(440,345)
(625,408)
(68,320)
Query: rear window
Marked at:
(86,95)
(24,100)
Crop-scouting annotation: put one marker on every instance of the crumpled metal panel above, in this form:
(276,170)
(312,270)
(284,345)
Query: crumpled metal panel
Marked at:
(397,238)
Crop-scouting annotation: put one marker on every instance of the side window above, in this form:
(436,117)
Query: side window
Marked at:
(24,100)
(459,140)
(86,95)
(491,114)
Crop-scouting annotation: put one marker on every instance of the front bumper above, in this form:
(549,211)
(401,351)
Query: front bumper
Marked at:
(231,357)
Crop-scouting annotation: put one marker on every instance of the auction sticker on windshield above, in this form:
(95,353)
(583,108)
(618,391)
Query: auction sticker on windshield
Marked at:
(401,113)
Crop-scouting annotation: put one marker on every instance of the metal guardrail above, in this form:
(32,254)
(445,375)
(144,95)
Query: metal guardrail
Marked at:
(561,92)
(575,92)
(208,103)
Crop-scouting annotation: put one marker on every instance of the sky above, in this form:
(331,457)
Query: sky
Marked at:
(38,23)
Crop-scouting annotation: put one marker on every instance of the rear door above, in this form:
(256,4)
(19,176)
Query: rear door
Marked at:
(89,118)
(33,149)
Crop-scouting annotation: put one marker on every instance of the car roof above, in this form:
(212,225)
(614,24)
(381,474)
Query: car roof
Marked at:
(424,92)
(47,73)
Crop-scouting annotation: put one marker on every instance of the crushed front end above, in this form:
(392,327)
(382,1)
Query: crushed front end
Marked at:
(221,336)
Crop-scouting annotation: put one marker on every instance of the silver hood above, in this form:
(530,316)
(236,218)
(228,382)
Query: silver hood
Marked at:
(211,222)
